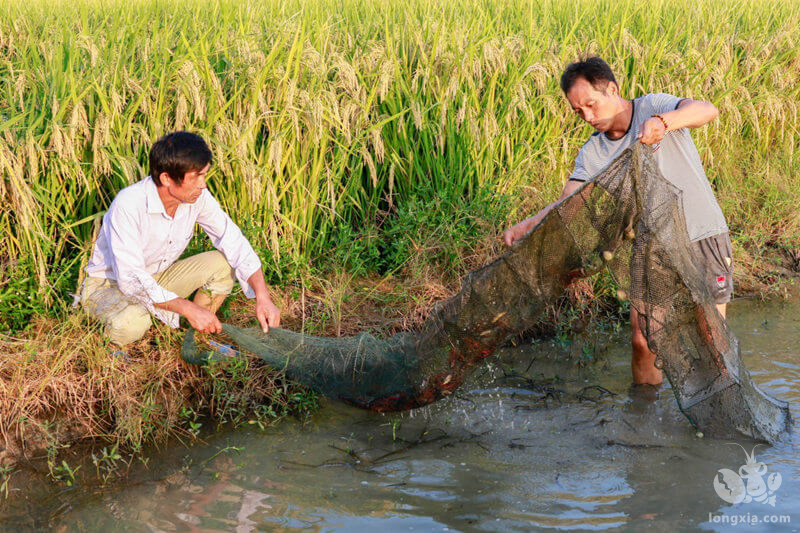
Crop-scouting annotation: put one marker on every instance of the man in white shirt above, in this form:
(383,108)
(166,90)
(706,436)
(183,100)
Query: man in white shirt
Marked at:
(663,122)
(133,271)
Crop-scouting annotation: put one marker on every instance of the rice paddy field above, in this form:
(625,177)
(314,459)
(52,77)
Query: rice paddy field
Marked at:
(360,145)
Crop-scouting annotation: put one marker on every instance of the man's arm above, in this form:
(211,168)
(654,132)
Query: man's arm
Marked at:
(519,230)
(228,239)
(689,114)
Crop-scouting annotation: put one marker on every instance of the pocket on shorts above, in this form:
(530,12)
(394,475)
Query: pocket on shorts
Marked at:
(715,254)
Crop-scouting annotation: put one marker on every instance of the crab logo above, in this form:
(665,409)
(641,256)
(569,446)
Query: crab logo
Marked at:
(749,484)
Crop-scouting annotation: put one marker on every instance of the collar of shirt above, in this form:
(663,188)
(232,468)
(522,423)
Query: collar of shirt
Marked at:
(153,200)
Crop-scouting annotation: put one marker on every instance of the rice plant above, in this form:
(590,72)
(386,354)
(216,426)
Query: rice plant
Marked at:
(323,114)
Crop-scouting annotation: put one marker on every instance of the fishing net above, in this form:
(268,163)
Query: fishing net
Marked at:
(628,219)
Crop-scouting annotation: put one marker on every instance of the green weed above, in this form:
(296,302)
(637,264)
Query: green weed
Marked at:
(107,463)
(5,478)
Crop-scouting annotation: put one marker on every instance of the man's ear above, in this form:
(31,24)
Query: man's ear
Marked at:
(612,88)
(165,179)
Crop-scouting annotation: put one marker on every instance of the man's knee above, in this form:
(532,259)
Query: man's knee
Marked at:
(221,274)
(128,325)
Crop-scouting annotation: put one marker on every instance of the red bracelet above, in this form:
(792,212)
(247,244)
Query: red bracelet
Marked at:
(664,122)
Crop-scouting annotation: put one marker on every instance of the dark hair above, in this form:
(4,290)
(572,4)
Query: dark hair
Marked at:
(592,69)
(176,154)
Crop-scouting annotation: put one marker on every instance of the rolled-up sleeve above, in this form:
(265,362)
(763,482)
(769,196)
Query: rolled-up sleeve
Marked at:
(127,262)
(226,237)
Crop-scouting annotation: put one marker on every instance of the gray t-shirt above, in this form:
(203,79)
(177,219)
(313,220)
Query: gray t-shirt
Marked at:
(677,159)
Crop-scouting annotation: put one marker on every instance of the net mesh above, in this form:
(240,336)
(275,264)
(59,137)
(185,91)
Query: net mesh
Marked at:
(628,219)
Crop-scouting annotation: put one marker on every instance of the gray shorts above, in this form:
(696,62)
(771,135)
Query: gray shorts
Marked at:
(716,255)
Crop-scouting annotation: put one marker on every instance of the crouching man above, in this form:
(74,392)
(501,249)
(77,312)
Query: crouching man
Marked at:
(133,272)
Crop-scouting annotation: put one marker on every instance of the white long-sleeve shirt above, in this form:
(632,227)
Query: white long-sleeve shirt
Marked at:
(138,240)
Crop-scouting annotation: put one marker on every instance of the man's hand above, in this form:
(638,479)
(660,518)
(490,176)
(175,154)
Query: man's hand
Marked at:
(519,230)
(202,319)
(652,131)
(267,313)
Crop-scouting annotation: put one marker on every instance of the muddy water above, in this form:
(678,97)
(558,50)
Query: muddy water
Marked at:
(530,444)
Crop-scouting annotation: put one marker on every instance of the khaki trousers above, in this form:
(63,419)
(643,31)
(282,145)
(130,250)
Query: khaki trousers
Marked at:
(127,320)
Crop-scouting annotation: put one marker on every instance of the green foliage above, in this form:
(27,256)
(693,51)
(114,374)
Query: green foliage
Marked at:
(19,297)
(355,137)
(303,402)
(190,419)
(584,323)
(235,397)
(441,227)
(5,478)
(396,423)
(62,472)
(438,227)
(107,463)
(229,400)
(358,251)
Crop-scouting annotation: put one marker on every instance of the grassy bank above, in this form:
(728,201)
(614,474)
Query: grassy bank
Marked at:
(372,152)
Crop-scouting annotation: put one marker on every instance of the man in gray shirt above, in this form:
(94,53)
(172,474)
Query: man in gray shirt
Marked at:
(663,122)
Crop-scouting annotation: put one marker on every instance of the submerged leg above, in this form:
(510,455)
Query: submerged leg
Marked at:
(643,360)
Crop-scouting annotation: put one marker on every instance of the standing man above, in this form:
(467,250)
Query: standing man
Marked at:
(663,122)
(133,271)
